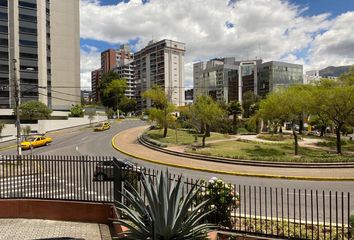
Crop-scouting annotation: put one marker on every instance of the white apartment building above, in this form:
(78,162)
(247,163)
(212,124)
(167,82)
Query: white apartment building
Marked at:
(125,68)
(160,63)
(41,40)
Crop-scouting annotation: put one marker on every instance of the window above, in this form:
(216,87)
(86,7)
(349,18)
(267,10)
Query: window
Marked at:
(28,30)
(4,68)
(23,17)
(28,55)
(4,55)
(28,43)
(3,16)
(3,29)
(27,4)
(4,42)
(3,3)
(28,68)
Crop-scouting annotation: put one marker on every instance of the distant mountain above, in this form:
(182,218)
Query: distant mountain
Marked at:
(332,71)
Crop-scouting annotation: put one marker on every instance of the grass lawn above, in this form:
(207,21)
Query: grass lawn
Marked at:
(269,152)
(183,137)
(347,145)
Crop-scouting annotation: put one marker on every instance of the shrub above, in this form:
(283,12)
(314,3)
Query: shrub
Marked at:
(351,223)
(223,200)
(330,143)
(274,137)
(76,111)
(153,141)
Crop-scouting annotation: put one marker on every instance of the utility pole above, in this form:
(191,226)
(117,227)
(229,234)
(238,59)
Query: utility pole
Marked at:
(17,108)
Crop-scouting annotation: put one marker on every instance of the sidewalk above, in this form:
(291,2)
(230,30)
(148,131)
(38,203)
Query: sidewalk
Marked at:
(126,141)
(22,229)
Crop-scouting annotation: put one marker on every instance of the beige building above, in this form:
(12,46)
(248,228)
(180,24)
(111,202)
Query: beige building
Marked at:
(40,47)
(162,64)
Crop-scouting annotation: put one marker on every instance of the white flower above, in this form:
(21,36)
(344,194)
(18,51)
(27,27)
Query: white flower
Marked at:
(211,181)
(214,178)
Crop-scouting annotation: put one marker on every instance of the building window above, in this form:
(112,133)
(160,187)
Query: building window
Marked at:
(28,30)
(4,68)
(27,43)
(28,55)
(4,55)
(4,29)
(3,3)
(4,42)
(3,16)
(28,18)
(27,4)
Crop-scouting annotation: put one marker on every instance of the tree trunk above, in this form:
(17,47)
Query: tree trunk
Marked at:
(323,130)
(234,128)
(296,145)
(301,126)
(339,145)
(280,129)
(203,140)
(165,131)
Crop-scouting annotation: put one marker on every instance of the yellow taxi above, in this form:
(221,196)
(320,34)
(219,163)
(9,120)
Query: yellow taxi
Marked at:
(102,126)
(35,141)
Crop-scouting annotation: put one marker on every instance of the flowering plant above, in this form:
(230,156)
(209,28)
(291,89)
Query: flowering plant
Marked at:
(223,200)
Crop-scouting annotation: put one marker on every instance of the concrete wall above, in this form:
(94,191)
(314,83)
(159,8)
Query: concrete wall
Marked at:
(43,126)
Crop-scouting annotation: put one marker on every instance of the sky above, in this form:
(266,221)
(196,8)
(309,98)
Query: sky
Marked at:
(315,33)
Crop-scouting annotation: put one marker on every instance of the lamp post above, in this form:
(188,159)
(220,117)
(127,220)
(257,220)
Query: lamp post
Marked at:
(17,108)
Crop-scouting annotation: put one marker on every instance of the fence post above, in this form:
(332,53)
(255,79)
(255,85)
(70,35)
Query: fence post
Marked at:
(117,180)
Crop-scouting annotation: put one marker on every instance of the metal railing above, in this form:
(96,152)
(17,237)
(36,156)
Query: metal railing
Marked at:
(266,211)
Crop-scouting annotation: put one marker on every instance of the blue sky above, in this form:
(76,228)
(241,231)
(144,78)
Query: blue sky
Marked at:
(315,33)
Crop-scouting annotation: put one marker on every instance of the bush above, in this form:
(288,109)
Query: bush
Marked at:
(351,223)
(223,200)
(331,143)
(274,137)
(153,141)
(77,111)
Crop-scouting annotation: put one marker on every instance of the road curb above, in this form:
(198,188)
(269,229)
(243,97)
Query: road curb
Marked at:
(234,173)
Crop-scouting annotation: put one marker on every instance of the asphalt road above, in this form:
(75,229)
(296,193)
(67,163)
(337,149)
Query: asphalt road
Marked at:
(81,142)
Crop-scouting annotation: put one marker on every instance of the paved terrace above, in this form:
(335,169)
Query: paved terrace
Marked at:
(127,142)
(23,229)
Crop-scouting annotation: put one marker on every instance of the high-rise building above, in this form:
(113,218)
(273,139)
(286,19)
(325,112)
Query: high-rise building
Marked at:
(162,64)
(108,60)
(274,75)
(125,68)
(95,79)
(220,78)
(40,46)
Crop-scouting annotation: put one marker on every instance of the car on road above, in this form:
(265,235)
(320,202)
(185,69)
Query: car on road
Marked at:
(104,170)
(102,126)
(35,141)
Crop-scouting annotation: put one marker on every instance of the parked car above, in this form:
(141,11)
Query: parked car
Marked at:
(35,141)
(102,126)
(104,170)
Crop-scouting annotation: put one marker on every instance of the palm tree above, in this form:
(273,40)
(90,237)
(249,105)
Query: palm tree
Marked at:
(168,214)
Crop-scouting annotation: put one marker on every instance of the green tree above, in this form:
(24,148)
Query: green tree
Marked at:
(234,108)
(109,113)
(207,112)
(114,92)
(76,111)
(111,93)
(34,110)
(288,105)
(249,103)
(336,103)
(127,105)
(162,109)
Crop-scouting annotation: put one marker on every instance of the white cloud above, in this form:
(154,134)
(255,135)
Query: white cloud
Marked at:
(271,29)
(90,60)
(336,46)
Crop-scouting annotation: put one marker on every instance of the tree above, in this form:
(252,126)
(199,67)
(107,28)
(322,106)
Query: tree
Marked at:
(207,112)
(109,113)
(76,111)
(287,105)
(2,126)
(34,110)
(235,109)
(335,102)
(111,93)
(167,213)
(127,105)
(161,112)
(249,102)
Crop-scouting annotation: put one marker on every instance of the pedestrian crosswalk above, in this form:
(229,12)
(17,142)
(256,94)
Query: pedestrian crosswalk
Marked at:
(50,186)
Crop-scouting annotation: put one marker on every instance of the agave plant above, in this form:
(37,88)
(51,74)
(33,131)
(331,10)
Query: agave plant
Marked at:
(167,213)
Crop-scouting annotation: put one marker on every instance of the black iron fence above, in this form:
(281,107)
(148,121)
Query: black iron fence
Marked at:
(273,212)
